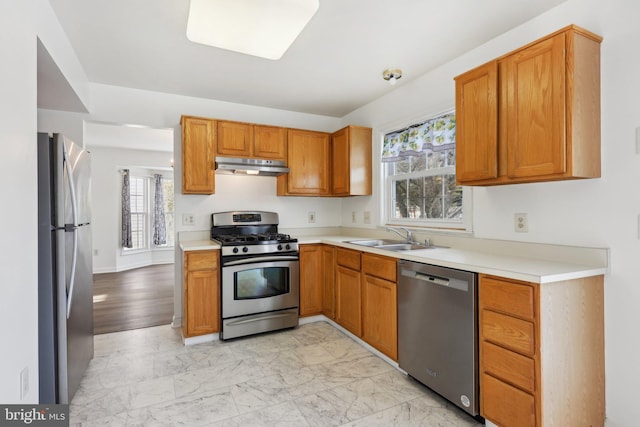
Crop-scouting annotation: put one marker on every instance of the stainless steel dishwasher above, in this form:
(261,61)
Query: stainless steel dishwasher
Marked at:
(437,331)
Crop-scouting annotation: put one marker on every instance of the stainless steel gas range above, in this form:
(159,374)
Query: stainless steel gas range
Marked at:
(260,284)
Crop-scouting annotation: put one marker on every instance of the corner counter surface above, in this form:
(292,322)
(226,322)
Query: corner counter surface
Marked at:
(523,267)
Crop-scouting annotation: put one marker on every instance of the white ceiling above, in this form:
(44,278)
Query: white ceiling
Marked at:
(333,67)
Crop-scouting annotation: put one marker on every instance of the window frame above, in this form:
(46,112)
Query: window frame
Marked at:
(387,185)
(149,186)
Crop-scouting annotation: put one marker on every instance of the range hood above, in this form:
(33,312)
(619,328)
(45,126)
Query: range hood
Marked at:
(243,166)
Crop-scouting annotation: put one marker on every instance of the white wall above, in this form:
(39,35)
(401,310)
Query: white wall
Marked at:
(599,212)
(106,184)
(21,24)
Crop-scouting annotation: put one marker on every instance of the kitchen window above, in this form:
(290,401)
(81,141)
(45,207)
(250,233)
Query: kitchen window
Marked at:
(418,166)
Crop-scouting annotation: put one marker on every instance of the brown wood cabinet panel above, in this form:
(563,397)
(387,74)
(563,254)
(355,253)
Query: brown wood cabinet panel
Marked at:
(380,314)
(508,297)
(509,332)
(308,157)
(201,304)
(235,139)
(508,366)
(349,299)
(201,260)
(535,90)
(379,266)
(351,161)
(328,285)
(506,405)
(348,258)
(270,142)
(548,113)
(198,148)
(311,279)
(477,124)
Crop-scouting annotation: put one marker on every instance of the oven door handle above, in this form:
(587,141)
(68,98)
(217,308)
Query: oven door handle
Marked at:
(260,259)
(257,319)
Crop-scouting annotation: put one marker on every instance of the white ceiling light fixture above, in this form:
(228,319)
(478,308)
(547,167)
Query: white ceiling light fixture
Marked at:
(392,75)
(264,28)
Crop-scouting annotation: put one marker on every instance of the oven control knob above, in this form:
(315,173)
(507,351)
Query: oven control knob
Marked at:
(245,249)
(235,250)
(287,246)
(279,247)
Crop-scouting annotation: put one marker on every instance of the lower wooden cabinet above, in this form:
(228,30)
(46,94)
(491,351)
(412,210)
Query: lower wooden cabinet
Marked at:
(542,352)
(311,278)
(201,297)
(348,290)
(328,281)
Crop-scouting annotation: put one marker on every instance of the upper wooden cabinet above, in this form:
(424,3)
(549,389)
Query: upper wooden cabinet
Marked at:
(237,139)
(532,115)
(351,161)
(198,142)
(308,159)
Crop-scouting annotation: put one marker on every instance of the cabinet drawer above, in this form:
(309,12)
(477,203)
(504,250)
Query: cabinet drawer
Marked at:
(511,367)
(506,405)
(507,297)
(348,258)
(507,331)
(201,260)
(379,266)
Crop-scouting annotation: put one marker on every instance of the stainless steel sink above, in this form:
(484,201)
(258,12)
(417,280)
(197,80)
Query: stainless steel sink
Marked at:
(402,247)
(375,242)
(391,245)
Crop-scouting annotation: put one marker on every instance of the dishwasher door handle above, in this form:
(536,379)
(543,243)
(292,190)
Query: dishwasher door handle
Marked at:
(460,285)
(432,279)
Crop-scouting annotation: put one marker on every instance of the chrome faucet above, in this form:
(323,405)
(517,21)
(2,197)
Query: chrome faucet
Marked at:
(409,235)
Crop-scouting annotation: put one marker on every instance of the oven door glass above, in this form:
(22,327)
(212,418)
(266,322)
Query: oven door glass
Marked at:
(260,286)
(262,282)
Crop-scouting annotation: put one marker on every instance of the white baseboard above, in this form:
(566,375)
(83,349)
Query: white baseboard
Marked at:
(127,267)
(200,339)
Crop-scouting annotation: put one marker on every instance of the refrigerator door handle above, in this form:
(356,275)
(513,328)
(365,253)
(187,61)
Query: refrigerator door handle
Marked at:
(74,214)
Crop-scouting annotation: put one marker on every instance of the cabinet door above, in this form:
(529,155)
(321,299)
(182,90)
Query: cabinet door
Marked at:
(308,160)
(328,284)
(234,139)
(534,114)
(477,124)
(198,136)
(380,314)
(202,314)
(348,299)
(310,279)
(351,161)
(340,178)
(270,142)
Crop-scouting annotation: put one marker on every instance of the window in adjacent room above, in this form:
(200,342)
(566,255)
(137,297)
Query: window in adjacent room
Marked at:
(150,211)
(418,165)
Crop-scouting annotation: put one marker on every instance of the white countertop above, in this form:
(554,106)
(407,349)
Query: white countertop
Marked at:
(513,267)
(526,268)
(198,245)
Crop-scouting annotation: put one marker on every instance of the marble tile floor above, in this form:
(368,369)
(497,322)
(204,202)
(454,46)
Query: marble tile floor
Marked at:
(313,375)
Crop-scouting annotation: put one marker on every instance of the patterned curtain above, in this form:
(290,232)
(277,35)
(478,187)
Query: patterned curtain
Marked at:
(433,135)
(126,211)
(159,227)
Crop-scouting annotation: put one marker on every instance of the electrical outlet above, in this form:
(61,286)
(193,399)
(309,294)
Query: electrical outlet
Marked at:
(367,217)
(353,216)
(520,222)
(188,219)
(24,382)
(311,217)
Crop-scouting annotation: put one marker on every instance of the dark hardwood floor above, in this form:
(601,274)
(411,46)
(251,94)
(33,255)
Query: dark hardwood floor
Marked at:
(133,299)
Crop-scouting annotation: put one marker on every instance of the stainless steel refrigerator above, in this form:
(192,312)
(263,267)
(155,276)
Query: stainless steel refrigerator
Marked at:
(65,271)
